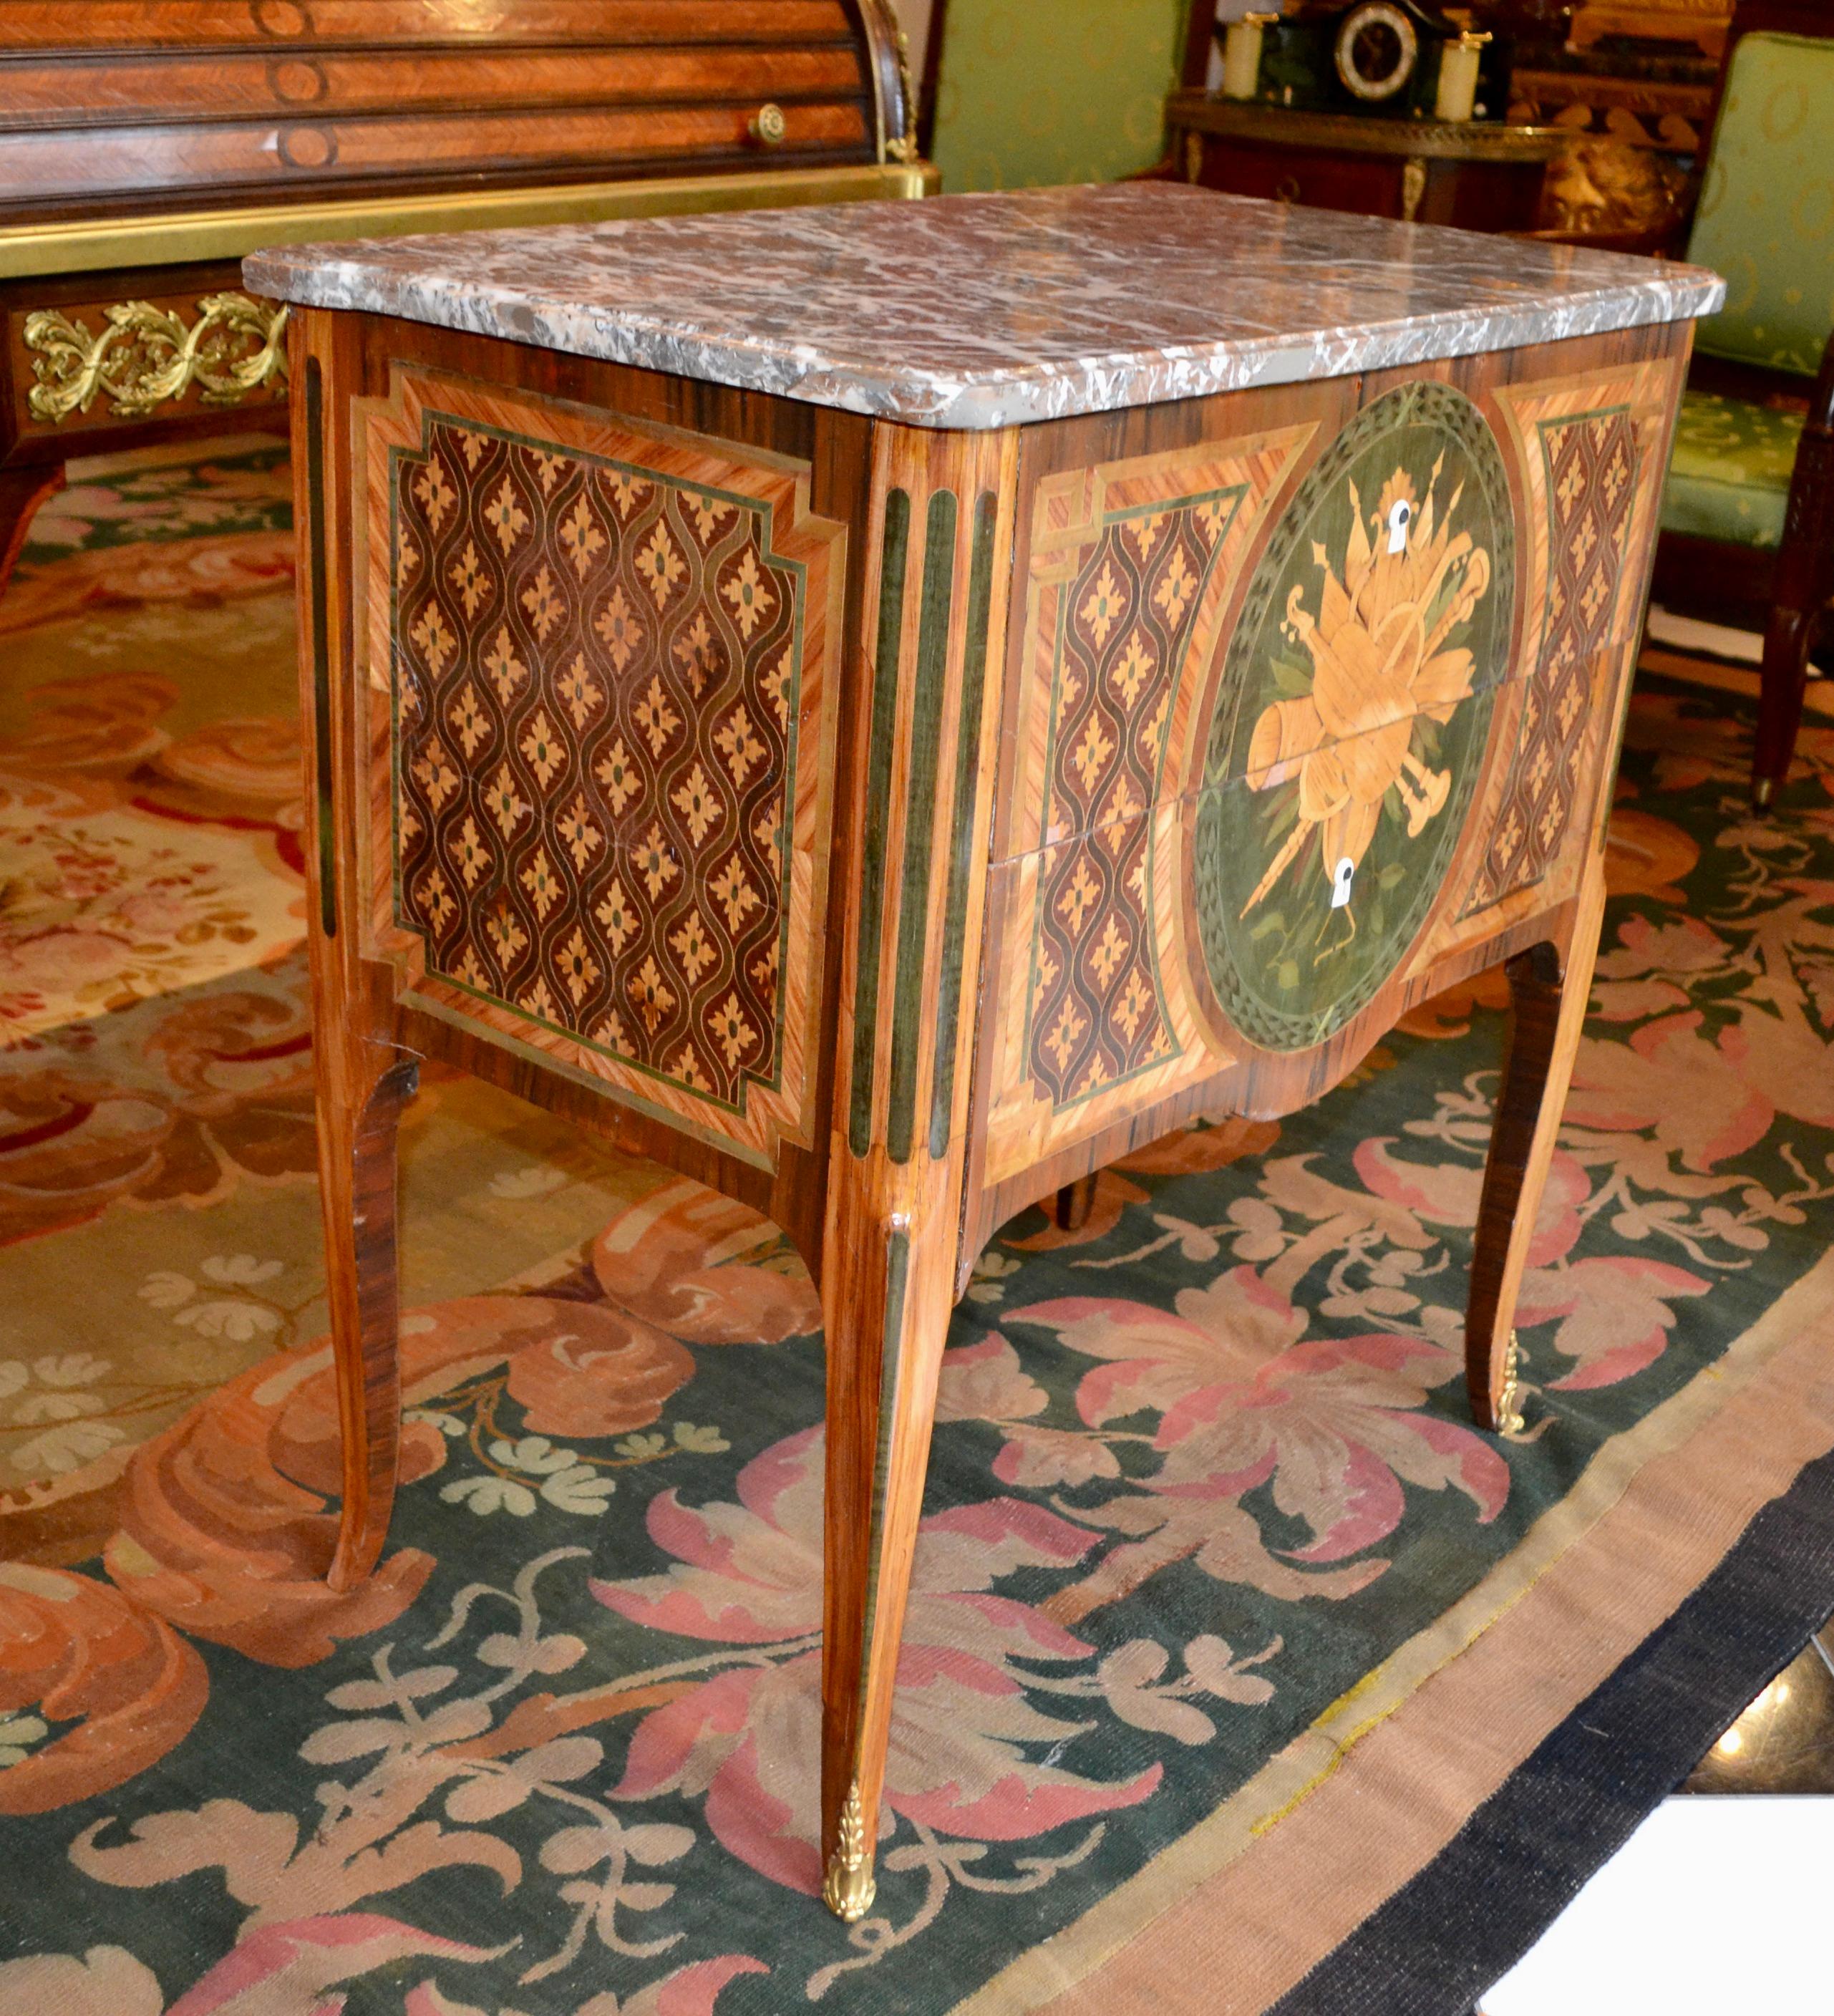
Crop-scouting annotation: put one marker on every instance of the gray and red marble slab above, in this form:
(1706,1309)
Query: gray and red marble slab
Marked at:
(989,311)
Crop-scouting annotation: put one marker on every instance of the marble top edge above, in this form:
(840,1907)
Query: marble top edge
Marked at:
(980,311)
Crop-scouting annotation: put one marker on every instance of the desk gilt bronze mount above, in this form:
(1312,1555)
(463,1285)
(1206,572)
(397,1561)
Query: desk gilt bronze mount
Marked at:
(886,709)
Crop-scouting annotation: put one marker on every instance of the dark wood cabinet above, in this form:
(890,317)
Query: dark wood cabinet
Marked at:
(1481,175)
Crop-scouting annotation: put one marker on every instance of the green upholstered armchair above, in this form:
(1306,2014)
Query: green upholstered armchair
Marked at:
(1748,517)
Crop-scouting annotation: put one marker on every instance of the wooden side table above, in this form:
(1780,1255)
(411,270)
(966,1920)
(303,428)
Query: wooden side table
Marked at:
(886,708)
(1478,176)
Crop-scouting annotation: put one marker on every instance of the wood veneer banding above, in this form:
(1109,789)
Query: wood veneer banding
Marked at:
(321,759)
(894,551)
(933,645)
(897,1275)
(980,588)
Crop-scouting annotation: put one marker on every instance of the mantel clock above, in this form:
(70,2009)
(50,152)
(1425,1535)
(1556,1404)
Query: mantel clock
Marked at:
(1371,57)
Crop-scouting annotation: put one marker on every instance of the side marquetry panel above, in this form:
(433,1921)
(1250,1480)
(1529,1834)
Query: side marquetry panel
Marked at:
(1589,449)
(600,678)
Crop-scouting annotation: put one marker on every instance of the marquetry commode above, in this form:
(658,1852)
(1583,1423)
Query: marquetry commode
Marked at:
(886,708)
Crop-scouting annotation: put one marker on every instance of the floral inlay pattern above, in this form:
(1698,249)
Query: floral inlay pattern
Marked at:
(596,668)
(1381,668)
(1352,712)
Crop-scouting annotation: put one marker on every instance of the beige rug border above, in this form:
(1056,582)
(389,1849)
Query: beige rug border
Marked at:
(1426,1736)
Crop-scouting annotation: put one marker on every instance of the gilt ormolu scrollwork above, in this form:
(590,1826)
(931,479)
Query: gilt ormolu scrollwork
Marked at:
(904,147)
(1509,1420)
(145,355)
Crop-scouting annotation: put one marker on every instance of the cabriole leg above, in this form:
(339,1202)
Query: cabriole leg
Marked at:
(364,1082)
(363,1078)
(22,491)
(1548,995)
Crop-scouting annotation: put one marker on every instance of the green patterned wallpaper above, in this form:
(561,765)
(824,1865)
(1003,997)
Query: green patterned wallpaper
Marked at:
(1053,91)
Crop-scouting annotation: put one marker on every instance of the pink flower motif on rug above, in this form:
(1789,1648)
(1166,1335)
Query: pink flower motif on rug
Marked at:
(689,1991)
(749,1575)
(1336,1426)
(1614,1310)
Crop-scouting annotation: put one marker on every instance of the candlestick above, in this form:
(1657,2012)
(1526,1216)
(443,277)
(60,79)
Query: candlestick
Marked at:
(1241,55)
(1458,76)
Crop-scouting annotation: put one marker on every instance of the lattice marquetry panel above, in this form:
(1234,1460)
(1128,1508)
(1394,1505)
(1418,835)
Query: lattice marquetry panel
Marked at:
(604,658)
(1123,627)
(1588,467)
(1128,569)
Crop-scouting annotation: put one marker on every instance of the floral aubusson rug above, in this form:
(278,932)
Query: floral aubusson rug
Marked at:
(1224,1617)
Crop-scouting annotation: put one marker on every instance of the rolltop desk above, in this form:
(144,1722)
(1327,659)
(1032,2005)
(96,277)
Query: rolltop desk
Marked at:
(146,145)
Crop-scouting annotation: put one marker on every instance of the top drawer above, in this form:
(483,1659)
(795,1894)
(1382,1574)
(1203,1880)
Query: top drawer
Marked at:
(1319,605)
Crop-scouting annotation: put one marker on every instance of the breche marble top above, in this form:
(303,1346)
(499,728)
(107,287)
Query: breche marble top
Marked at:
(991,311)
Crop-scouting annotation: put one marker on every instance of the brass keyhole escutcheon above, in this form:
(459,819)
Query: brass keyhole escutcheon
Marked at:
(768,127)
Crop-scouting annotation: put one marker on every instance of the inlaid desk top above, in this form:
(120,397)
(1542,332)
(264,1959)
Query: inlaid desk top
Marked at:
(985,312)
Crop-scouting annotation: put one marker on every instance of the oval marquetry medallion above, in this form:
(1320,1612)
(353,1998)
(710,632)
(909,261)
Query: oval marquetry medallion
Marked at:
(1351,715)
